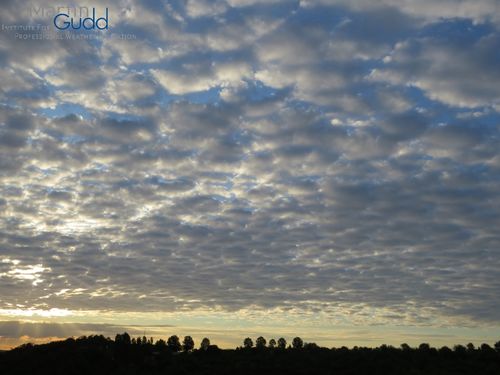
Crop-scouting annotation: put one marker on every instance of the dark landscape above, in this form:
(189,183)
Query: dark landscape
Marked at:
(100,355)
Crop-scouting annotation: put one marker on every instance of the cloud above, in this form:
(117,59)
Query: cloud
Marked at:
(431,11)
(37,331)
(196,78)
(332,162)
(446,69)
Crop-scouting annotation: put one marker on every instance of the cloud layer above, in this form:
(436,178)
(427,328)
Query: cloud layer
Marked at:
(294,156)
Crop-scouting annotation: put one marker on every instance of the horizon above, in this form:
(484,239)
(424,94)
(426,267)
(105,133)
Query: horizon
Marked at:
(327,169)
(97,354)
(289,342)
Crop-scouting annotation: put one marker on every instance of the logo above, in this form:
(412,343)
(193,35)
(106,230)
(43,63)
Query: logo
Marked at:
(63,21)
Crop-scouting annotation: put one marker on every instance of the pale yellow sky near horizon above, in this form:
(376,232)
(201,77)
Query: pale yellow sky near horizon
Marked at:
(227,330)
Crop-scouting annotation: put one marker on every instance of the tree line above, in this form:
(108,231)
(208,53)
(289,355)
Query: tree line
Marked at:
(96,354)
(174,343)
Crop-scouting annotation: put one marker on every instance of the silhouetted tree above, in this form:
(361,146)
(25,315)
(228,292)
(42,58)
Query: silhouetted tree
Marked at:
(205,343)
(248,343)
(297,343)
(213,349)
(485,347)
(160,345)
(96,354)
(123,339)
(260,342)
(272,343)
(173,343)
(470,347)
(187,344)
(497,346)
(311,346)
(281,343)
(405,347)
(424,347)
(445,349)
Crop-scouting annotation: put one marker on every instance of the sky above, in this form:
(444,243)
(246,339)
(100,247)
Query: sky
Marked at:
(231,168)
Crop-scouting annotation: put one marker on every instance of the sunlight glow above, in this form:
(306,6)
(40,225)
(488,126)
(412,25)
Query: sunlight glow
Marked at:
(31,273)
(32,312)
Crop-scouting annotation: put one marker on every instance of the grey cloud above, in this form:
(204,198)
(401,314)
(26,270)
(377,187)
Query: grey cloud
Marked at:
(459,135)
(178,184)
(127,127)
(446,70)
(59,195)
(404,126)
(16,329)
(429,10)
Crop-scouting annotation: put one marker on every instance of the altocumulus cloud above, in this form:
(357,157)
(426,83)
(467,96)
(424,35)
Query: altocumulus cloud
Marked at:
(339,157)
